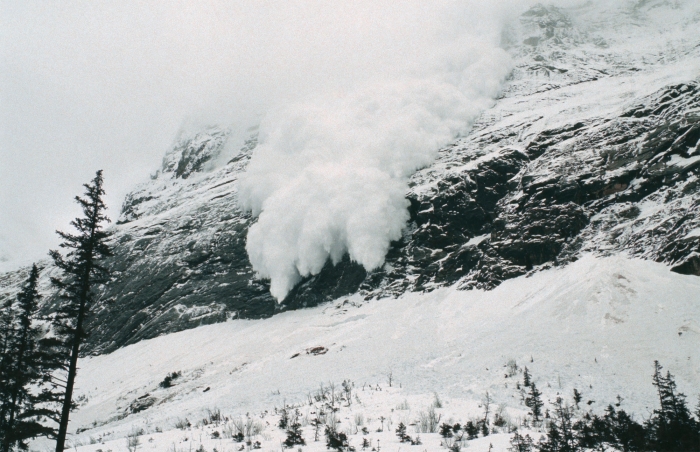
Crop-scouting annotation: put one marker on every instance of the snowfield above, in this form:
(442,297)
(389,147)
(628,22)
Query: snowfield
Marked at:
(596,325)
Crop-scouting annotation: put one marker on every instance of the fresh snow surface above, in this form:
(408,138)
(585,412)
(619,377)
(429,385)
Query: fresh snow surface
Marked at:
(596,325)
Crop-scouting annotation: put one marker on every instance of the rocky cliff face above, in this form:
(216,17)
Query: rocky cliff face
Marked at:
(594,146)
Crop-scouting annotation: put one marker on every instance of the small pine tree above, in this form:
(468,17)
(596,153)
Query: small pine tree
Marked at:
(401,433)
(519,443)
(82,271)
(284,418)
(446,431)
(294,436)
(484,428)
(472,430)
(534,402)
(527,379)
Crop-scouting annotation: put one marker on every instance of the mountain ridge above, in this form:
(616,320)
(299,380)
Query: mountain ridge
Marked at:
(593,146)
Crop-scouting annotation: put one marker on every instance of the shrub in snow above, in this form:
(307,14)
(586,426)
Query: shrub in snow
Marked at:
(403,406)
(428,421)
(499,419)
(359,419)
(511,368)
(446,430)
(133,441)
(577,397)
(472,430)
(168,380)
(182,424)
(437,403)
(347,391)
(213,417)
(484,428)
(337,440)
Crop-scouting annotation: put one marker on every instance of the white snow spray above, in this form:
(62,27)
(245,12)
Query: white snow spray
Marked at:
(329,176)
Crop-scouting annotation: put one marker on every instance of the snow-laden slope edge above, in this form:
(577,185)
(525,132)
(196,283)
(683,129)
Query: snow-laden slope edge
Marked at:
(597,325)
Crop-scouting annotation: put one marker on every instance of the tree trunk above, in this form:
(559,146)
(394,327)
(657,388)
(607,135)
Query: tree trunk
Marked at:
(72,369)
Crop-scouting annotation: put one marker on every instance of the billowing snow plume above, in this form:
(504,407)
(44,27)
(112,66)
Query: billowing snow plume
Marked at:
(329,176)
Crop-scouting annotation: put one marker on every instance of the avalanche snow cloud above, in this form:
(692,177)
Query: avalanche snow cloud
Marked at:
(329,175)
(352,97)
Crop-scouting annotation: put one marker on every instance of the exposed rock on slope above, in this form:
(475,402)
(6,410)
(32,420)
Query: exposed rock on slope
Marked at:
(593,146)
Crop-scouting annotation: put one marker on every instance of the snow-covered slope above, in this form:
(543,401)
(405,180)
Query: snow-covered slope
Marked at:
(592,147)
(596,325)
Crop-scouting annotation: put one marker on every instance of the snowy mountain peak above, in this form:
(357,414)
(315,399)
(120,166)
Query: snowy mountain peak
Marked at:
(190,154)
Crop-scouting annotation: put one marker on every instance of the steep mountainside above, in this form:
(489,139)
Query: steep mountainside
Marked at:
(594,146)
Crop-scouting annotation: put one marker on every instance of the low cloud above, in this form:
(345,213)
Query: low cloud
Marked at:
(348,95)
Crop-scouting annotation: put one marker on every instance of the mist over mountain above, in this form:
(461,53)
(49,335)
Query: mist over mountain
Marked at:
(589,145)
(110,86)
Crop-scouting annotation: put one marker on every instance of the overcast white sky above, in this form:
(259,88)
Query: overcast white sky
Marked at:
(107,85)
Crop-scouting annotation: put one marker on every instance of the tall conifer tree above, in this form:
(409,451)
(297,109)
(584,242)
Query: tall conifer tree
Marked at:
(7,333)
(27,366)
(82,271)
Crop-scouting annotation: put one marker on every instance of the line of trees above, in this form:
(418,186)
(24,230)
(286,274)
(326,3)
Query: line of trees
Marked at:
(670,428)
(39,354)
